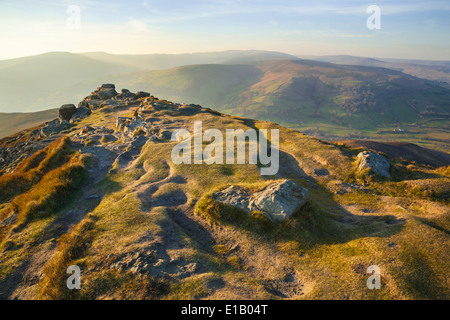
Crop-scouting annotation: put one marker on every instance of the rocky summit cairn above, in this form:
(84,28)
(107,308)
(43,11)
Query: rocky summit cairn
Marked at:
(375,162)
(66,112)
(106,91)
(278,201)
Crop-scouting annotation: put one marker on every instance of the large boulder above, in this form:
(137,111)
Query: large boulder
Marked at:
(278,201)
(374,162)
(66,112)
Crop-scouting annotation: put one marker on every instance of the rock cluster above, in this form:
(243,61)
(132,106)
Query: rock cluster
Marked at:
(374,162)
(278,201)
(107,96)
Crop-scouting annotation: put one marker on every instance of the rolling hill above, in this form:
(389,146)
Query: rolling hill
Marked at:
(49,80)
(426,69)
(11,123)
(327,100)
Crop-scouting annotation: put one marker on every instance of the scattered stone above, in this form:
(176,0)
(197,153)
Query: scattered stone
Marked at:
(321,172)
(121,122)
(165,135)
(157,264)
(375,162)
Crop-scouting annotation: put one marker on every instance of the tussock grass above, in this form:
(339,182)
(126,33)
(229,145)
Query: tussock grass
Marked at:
(71,246)
(32,169)
(51,191)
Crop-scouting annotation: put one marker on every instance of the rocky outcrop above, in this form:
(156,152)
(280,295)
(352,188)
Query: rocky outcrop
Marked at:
(278,201)
(106,91)
(374,162)
(53,127)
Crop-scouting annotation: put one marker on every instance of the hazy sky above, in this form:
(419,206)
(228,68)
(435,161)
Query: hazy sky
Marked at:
(409,29)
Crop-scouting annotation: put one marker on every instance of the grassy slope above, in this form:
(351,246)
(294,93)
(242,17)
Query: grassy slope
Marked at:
(35,193)
(322,252)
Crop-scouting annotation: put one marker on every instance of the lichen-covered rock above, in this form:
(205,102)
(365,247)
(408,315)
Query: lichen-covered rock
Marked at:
(375,162)
(234,196)
(279,200)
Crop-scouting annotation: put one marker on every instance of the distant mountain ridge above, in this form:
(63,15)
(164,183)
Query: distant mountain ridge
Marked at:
(45,81)
(426,69)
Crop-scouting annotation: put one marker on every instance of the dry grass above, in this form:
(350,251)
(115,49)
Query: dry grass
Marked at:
(51,191)
(31,170)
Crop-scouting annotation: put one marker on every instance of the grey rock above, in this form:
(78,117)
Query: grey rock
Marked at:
(142,94)
(83,111)
(321,172)
(235,196)
(139,142)
(375,162)
(53,127)
(165,135)
(126,94)
(106,91)
(279,200)
(66,112)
